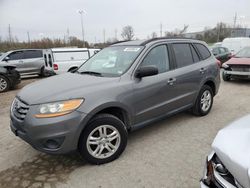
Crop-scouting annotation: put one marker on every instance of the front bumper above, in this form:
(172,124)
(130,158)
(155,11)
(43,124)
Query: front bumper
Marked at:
(57,135)
(237,73)
(214,178)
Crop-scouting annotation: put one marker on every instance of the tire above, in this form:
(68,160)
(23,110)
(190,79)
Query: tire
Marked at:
(42,74)
(201,109)
(4,84)
(105,153)
(226,77)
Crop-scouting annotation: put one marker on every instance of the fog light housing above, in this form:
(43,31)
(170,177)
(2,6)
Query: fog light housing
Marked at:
(53,143)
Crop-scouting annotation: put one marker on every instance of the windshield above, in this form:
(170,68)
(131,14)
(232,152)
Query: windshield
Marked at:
(111,61)
(245,52)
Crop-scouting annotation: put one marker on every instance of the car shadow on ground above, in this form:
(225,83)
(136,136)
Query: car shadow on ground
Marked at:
(42,171)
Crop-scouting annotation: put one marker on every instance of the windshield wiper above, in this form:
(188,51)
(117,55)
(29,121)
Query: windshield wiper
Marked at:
(91,73)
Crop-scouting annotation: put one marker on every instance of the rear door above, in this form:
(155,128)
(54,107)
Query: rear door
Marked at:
(33,61)
(189,73)
(16,58)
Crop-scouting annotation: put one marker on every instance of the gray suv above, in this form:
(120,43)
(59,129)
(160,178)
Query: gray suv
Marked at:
(27,61)
(124,86)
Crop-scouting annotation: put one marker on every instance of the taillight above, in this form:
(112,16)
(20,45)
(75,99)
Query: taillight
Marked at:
(55,66)
(218,63)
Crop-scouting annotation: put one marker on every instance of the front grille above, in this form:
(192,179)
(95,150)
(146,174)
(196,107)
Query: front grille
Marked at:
(242,68)
(19,109)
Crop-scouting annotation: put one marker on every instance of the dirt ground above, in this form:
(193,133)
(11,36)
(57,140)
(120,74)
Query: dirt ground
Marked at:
(169,153)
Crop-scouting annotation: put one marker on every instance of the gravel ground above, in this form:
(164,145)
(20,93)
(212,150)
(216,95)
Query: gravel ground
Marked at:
(169,153)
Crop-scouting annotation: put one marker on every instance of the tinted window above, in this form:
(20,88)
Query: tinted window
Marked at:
(50,60)
(45,60)
(183,54)
(216,51)
(223,50)
(157,57)
(195,55)
(32,54)
(203,51)
(16,55)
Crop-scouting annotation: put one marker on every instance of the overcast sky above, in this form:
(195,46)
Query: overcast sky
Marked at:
(51,18)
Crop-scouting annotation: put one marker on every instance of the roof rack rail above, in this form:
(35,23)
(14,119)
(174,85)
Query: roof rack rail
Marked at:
(117,42)
(159,38)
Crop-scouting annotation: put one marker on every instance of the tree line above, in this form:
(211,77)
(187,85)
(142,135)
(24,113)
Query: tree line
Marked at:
(209,35)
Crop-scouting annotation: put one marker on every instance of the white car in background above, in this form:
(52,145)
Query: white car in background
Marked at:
(62,60)
(228,166)
(235,44)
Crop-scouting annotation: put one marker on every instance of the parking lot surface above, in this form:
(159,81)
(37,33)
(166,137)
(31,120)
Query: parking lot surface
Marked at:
(169,153)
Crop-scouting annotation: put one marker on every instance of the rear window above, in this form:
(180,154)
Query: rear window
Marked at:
(204,52)
(32,54)
(183,54)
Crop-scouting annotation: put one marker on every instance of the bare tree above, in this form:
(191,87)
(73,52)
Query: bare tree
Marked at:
(127,32)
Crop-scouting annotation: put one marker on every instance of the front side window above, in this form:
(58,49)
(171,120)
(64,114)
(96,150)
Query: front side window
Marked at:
(111,61)
(183,54)
(16,55)
(157,57)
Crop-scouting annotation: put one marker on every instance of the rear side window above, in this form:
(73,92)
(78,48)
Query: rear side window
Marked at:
(50,60)
(195,55)
(32,54)
(183,54)
(45,59)
(205,53)
(16,55)
(157,57)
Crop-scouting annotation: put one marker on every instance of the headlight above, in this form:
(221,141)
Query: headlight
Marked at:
(58,108)
(225,66)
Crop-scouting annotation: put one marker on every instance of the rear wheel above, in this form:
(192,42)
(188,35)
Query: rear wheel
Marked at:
(204,101)
(42,73)
(225,76)
(4,84)
(103,140)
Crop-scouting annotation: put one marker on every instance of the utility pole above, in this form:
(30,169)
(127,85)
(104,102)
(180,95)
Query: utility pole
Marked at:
(9,31)
(161,29)
(116,34)
(81,13)
(104,33)
(28,35)
(235,21)
(218,35)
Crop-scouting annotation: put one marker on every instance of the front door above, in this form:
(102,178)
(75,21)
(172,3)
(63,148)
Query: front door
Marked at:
(153,94)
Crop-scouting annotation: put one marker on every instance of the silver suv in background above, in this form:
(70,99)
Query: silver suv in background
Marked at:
(121,88)
(26,61)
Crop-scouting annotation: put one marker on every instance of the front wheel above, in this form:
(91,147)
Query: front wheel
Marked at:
(4,84)
(204,101)
(225,76)
(103,140)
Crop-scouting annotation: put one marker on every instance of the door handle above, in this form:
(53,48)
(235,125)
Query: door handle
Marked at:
(171,81)
(202,70)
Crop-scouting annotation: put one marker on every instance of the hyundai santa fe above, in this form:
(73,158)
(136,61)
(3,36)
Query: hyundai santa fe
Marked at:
(125,86)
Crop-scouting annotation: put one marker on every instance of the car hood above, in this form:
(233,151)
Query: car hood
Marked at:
(232,146)
(63,87)
(238,61)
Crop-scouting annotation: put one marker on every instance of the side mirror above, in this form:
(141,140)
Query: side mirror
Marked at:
(6,58)
(73,70)
(146,71)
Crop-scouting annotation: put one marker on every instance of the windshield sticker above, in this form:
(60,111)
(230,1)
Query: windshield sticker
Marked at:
(131,49)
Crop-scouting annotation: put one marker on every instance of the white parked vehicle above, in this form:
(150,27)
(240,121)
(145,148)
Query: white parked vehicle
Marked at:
(61,60)
(235,44)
